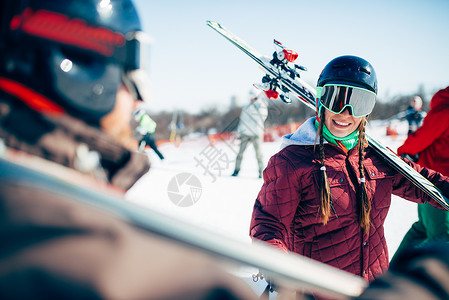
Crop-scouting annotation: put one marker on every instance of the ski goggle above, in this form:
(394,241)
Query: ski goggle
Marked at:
(134,58)
(130,51)
(337,97)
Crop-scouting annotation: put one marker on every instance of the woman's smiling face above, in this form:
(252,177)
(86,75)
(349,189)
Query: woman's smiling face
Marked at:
(342,124)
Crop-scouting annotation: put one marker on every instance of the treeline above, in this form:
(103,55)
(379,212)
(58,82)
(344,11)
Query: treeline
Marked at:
(213,120)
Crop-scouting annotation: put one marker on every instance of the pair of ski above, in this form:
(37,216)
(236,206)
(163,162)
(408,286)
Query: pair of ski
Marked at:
(292,271)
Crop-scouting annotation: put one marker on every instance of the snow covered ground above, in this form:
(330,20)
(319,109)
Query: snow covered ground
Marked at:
(212,199)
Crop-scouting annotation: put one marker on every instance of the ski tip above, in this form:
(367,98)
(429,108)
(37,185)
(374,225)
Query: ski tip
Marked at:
(277,43)
(212,23)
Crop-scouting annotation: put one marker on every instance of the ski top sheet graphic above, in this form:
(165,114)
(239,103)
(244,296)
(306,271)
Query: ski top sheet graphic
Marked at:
(280,76)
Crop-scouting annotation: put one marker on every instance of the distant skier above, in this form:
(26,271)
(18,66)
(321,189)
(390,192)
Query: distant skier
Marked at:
(431,142)
(326,194)
(176,127)
(414,114)
(251,129)
(145,132)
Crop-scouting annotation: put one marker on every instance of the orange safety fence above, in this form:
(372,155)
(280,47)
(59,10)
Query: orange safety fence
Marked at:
(274,132)
(270,134)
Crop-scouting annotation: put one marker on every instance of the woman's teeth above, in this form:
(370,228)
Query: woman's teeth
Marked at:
(341,123)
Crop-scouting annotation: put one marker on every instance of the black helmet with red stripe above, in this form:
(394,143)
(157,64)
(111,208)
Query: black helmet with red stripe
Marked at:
(71,55)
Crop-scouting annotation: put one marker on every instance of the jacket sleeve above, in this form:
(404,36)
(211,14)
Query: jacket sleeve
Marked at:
(434,125)
(403,188)
(276,203)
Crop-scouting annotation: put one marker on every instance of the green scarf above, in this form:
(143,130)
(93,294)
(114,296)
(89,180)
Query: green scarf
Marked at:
(348,141)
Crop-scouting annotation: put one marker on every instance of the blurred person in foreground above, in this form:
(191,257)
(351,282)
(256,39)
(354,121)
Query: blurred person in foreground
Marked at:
(251,129)
(430,144)
(70,75)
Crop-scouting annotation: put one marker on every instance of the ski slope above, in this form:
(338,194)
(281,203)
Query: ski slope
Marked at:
(224,203)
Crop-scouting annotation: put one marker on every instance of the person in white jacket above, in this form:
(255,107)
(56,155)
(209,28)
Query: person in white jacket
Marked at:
(251,128)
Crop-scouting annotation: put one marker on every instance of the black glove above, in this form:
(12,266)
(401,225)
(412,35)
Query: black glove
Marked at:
(413,158)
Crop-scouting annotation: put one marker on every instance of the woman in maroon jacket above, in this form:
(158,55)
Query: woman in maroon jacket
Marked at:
(329,200)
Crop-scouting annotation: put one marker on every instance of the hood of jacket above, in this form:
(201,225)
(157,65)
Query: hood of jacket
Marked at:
(441,98)
(305,135)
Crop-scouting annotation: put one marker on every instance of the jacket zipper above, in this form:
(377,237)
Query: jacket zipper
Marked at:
(333,209)
(352,175)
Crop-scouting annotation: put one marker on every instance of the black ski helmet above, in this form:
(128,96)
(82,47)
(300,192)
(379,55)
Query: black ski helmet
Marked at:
(349,70)
(74,54)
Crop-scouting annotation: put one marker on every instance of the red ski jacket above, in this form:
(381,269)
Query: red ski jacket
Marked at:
(431,140)
(286,209)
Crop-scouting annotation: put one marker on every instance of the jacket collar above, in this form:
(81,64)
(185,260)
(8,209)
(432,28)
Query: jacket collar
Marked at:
(305,135)
(63,140)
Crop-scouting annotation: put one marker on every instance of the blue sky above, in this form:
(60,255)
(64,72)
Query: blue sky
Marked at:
(193,68)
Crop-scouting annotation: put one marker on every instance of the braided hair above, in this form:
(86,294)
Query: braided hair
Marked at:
(364,203)
(325,190)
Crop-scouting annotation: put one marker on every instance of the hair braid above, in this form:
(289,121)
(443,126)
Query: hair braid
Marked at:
(325,193)
(365,203)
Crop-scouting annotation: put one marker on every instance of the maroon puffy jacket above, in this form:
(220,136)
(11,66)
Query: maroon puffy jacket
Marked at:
(286,211)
